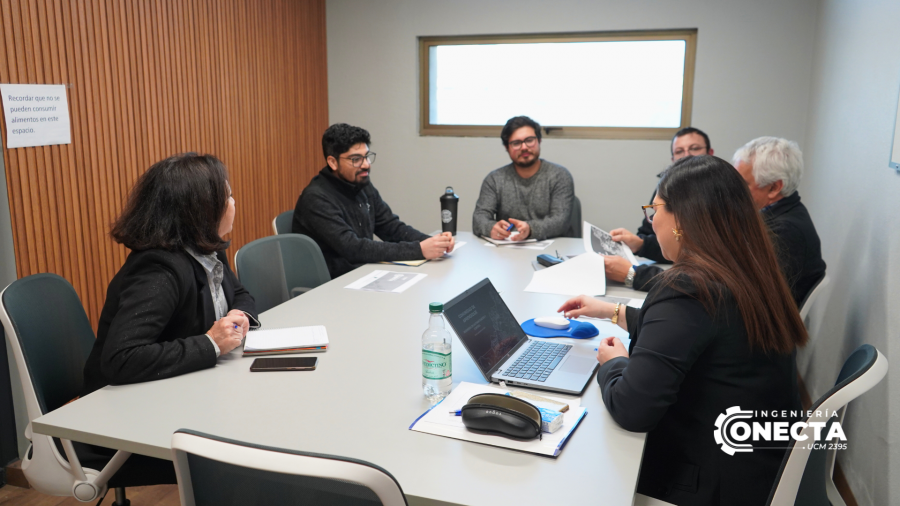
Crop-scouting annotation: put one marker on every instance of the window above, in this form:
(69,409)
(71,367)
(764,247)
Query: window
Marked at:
(634,85)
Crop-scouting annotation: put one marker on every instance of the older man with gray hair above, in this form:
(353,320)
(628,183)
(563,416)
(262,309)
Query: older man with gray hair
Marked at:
(772,168)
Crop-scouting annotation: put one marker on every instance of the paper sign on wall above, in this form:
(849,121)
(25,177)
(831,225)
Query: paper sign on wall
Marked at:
(36,115)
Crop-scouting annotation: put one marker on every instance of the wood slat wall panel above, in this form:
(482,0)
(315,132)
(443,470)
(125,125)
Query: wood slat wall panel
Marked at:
(245,80)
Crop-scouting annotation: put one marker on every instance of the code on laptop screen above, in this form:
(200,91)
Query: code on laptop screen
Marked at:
(484,324)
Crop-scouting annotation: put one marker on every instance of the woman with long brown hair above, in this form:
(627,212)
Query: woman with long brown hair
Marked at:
(719,330)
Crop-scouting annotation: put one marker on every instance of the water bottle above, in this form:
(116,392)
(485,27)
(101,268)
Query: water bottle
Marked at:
(437,373)
(449,203)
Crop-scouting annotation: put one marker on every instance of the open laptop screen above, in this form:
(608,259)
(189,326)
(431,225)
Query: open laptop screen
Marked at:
(485,325)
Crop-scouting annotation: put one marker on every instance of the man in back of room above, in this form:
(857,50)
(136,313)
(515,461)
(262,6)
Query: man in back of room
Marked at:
(342,211)
(530,194)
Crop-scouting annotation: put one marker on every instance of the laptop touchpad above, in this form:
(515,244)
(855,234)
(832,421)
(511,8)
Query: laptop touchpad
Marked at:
(579,365)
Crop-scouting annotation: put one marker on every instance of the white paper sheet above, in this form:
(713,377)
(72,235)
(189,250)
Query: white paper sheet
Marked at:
(36,115)
(584,274)
(286,338)
(599,241)
(439,421)
(386,281)
(507,242)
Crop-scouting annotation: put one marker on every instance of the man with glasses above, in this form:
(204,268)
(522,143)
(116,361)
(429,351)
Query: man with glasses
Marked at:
(688,141)
(531,195)
(342,211)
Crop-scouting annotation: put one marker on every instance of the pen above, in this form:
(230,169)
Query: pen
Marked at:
(456,413)
(509,228)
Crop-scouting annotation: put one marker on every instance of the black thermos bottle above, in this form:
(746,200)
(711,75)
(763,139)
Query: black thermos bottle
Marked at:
(449,203)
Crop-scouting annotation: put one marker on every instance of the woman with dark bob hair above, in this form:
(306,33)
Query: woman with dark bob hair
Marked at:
(175,306)
(719,330)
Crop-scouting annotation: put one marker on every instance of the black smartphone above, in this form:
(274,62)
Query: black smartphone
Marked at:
(284,364)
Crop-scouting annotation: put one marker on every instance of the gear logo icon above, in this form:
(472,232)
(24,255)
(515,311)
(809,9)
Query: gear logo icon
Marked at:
(721,432)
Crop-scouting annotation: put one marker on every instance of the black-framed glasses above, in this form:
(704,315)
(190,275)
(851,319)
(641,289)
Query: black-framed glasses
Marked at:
(650,211)
(527,141)
(693,150)
(356,160)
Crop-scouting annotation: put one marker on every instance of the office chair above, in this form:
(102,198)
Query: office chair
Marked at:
(277,268)
(805,477)
(575,228)
(816,297)
(51,337)
(281,224)
(217,471)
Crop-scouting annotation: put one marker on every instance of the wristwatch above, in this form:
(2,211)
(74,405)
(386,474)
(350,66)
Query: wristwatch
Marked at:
(629,278)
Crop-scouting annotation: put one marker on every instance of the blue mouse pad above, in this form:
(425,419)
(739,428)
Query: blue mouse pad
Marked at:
(576,330)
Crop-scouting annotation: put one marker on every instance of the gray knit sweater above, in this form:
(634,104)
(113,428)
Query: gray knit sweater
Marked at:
(544,200)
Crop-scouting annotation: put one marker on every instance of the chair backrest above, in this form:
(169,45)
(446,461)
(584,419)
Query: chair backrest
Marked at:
(272,267)
(575,227)
(815,297)
(802,478)
(217,471)
(51,338)
(283,222)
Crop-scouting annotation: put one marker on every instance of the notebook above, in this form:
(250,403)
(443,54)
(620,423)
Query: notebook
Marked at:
(286,340)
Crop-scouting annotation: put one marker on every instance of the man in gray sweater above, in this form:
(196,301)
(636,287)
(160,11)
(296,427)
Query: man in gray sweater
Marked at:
(530,194)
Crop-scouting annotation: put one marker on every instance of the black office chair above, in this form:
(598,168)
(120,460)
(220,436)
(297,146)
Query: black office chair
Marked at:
(51,337)
(283,222)
(575,227)
(805,477)
(277,268)
(222,472)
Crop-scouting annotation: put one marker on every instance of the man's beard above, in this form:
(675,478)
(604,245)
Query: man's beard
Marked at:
(528,165)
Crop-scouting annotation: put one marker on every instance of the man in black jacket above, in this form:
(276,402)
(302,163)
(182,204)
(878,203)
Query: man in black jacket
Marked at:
(772,168)
(342,211)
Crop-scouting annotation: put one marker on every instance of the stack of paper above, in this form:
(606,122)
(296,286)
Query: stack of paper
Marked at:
(584,274)
(440,422)
(286,340)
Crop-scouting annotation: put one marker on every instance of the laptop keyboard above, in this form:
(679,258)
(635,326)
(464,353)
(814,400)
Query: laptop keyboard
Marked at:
(538,361)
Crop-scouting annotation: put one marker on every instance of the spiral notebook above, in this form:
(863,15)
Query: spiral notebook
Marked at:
(286,340)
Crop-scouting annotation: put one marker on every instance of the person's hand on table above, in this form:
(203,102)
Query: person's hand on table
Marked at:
(584,305)
(522,227)
(452,241)
(437,245)
(610,348)
(245,326)
(616,267)
(498,231)
(225,335)
(623,235)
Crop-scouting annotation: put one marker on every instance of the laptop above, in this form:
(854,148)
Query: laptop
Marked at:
(503,352)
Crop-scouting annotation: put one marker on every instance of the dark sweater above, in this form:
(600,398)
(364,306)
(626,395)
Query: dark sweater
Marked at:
(685,368)
(153,325)
(794,237)
(343,218)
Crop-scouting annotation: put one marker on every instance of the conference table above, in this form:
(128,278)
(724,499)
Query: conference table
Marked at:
(367,391)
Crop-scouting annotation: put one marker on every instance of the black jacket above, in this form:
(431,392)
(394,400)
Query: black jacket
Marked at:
(153,324)
(794,237)
(796,244)
(685,368)
(343,217)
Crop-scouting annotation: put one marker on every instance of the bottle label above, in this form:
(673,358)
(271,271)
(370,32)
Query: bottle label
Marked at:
(446,216)
(436,366)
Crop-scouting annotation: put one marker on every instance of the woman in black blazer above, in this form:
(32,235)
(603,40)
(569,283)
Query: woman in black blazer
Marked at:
(175,306)
(719,330)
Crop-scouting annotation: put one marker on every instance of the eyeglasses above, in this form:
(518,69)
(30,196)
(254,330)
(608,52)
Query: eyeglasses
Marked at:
(528,141)
(356,160)
(694,150)
(650,211)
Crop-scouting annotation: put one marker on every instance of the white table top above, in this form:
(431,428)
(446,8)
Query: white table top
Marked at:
(367,391)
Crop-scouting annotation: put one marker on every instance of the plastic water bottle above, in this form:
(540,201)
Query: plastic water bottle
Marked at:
(437,373)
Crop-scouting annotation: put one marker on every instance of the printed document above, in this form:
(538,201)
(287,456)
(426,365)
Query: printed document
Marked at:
(386,281)
(584,274)
(599,241)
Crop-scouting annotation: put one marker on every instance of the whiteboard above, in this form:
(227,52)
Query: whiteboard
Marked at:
(895,147)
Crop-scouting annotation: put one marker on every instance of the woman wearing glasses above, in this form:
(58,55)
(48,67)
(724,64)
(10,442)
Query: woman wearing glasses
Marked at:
(719,330)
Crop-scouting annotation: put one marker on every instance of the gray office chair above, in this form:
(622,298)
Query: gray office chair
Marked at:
(805,477)
(282,223)
(51,337)
(575,227)
(222,472)
(277,268)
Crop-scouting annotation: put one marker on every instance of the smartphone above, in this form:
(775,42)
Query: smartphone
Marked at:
(284,364)
(548,260)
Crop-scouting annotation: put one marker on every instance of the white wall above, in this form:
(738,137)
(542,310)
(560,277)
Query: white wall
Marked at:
(752,78)
(853,198)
